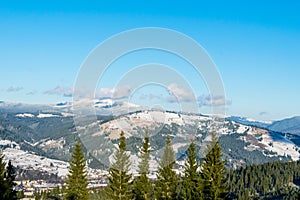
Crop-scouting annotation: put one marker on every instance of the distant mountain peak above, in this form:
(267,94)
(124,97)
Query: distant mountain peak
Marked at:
(289,125)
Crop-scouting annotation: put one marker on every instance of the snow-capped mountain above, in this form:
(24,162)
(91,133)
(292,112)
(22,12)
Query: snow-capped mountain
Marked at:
(52,133)
(101,106)
(290,125)
(250,122)
(241,143)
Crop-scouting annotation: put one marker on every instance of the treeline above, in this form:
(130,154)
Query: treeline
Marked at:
(208,179)
(207,183)
(276,180)
(205,180)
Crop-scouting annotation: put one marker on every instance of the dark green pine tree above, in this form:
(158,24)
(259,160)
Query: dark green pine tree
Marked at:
(10,176)
(213,171)
(142,188)
(192,184)
(165,187)
(54,193)
(119,177)
(3,184)
(77,181)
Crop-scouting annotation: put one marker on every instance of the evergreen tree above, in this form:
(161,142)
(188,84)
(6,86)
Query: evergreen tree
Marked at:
(54,193)
(77,181)
(192,186)
(37,196)
(20,194)
(10,176)
(213,171)
(142,189)
(3,184)
(166,183)
(119,177)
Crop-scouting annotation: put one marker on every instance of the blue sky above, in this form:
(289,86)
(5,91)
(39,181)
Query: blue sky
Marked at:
(254,44)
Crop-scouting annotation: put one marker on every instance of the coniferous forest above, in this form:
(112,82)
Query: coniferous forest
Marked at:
(207,179)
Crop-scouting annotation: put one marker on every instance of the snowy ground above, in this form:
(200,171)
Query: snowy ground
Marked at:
(26,160)
(280,146)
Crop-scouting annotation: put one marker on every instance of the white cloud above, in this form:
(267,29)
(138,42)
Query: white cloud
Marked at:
(114,93)
(263,113)
(64,91)
(31,92)
(14,89)
(217,100)
(179,94)
(150,96)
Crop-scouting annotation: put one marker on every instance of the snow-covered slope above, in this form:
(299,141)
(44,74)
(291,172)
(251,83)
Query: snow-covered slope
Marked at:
(239,141)
(26,160)
(52,133)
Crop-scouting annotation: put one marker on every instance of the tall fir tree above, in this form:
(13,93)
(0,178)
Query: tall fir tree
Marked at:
(213,171)
(119,187)
(166,184)
(10,176)
(142,189)
(192,183)
(3,184)
(77,181)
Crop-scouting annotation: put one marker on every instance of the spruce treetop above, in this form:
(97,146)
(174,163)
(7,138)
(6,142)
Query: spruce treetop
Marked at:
(119,176)
(77,179)
(213,171)
(122,144)
(168,158)
(144,156)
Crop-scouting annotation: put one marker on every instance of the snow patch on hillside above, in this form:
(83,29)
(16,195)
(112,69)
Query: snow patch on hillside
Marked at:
(25,115)
(44,115)
(277,145)
(9,143)
(26,160)
(282,147)
(56,144)
(242,128)
(260,121)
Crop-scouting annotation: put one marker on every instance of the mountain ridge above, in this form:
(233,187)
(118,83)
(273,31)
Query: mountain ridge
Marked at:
(53,134)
